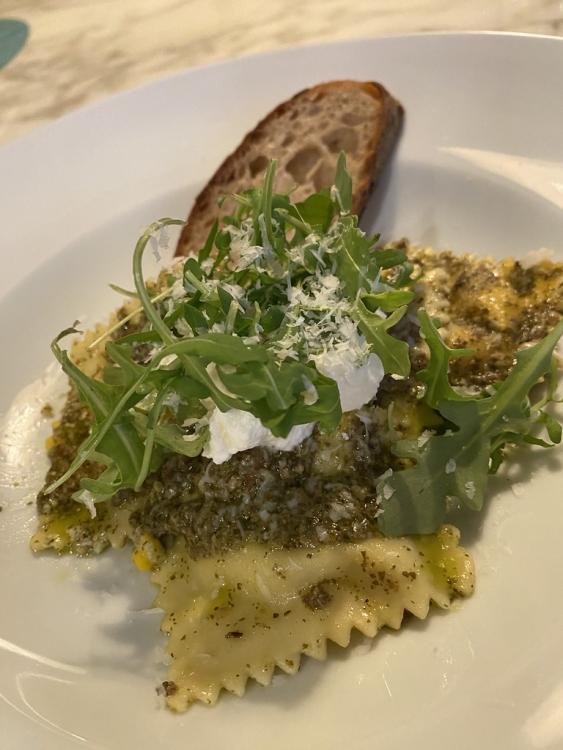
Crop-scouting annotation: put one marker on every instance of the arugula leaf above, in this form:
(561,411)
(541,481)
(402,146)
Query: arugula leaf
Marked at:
(435,375)
(552,426)
(272,319)
(393,353)
(352,260)
(388,257)
(343,185)
(152,423)
(129,371)
(387,301)
(317,211)
(102,488)
(193,316)
(326,411)
(221,348)
(120,444)
(205,251)
(173,437)
(403,275)
(268,237)
(123,292)
(148,305)
(276,384)
(455,465)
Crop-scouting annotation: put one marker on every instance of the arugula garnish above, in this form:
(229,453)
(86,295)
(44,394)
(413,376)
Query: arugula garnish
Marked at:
(393,353)
(453,467)
(275,284)
(435,375)
(275,287)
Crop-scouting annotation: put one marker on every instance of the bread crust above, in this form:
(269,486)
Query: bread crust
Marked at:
(387,125)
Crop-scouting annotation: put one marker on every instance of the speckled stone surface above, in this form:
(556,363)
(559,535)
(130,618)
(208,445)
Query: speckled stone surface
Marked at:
(82,50)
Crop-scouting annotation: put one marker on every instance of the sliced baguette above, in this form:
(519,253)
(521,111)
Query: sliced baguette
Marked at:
(305,134)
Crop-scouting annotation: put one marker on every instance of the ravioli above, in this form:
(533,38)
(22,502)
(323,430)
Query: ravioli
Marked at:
(243,614)
(248,585)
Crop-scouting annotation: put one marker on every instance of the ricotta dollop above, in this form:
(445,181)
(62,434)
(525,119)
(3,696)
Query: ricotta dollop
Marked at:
(234,430)
(357,384)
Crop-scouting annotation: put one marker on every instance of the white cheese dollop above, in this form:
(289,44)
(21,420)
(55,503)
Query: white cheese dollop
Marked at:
(233,431)
(357,384)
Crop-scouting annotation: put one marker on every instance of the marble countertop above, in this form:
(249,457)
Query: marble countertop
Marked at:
(79,51)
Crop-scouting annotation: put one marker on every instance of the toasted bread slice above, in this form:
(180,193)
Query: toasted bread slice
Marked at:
(305,134)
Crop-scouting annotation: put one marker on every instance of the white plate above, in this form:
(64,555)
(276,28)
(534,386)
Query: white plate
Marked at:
(479,167)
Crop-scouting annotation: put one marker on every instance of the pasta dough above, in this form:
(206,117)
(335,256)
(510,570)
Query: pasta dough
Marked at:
(247,612)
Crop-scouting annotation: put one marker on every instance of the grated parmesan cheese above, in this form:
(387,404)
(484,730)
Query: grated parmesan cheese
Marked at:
(451,466)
